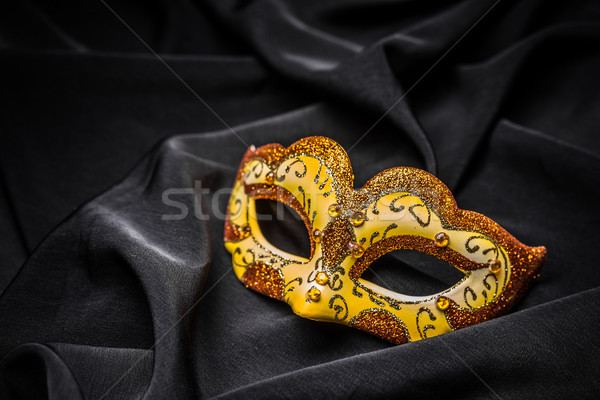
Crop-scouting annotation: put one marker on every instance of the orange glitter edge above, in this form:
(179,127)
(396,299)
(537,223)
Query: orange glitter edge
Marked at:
(264,279)
(381,323)
(233,232)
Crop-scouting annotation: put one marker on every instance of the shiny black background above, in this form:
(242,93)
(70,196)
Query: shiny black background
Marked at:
(104,298)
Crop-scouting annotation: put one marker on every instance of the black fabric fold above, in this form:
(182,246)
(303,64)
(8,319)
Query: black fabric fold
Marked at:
(410,370)
(34,371)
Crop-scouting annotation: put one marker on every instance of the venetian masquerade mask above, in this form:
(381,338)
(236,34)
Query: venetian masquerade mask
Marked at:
(400,208)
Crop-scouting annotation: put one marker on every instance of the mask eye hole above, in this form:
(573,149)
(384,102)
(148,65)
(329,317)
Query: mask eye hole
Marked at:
(412,273)
(283,227)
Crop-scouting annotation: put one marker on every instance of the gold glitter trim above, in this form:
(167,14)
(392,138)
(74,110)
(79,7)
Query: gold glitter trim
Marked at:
(336,237)
(381,323)
(235,233)
(264,279)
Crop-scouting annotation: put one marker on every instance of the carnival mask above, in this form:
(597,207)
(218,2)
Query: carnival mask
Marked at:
(400,208)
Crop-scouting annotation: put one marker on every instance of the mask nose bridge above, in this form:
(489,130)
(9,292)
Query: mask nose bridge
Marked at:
(296,279)
(297,298)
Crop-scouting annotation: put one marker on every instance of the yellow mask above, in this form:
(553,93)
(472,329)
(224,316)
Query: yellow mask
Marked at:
(400,208)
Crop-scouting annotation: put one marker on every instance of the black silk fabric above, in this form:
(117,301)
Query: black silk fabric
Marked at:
(107,294)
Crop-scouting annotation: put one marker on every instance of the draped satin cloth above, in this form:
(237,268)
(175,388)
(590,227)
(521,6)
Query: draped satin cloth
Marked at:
(106,295)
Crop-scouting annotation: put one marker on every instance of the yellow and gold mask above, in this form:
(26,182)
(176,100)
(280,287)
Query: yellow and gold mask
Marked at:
(400,208)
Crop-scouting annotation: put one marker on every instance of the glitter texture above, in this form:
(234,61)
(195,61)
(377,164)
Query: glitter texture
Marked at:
(335,241)
(235,233)
(383,324)
(264,279)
